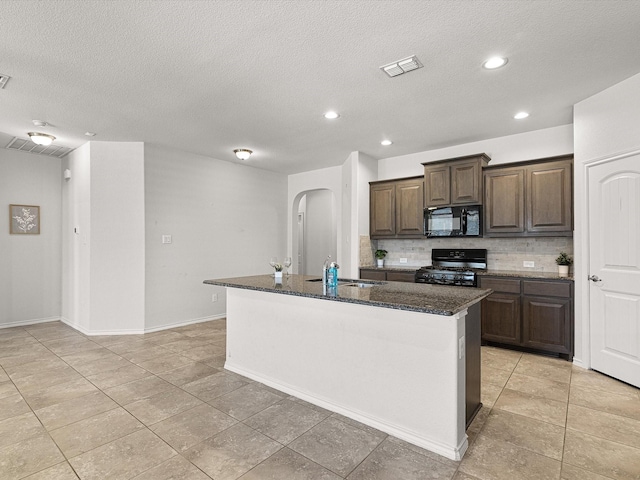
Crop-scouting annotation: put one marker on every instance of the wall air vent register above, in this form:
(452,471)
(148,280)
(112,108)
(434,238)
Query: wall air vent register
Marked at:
(25,145)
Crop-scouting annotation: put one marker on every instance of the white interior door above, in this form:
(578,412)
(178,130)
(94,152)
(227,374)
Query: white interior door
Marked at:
(614,267)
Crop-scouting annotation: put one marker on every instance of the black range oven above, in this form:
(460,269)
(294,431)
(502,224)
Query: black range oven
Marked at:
(457,267)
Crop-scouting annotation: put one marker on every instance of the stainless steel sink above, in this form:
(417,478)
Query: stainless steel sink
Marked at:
(361,285)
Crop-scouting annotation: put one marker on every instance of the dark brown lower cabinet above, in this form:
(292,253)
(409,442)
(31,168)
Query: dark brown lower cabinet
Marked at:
(546,324)
(388,275)
(531,313)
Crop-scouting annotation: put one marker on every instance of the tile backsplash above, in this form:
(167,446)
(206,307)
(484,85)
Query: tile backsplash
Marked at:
(502,253)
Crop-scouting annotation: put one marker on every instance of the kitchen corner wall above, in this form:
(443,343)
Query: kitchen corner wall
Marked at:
(502,253)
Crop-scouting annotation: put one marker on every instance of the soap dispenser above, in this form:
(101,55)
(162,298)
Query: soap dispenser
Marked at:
(332,276)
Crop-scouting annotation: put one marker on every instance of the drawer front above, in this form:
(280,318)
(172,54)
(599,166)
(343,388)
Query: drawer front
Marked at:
(505,285)
(372,275)
(547,289)
(401,277)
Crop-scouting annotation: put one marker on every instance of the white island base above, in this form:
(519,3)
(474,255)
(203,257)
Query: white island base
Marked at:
(399,371)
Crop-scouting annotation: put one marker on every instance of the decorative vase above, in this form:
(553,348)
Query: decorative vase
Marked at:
(563,270)
(380,262)
(277,275)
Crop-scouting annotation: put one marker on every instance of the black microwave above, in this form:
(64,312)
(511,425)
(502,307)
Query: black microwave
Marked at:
(453,221)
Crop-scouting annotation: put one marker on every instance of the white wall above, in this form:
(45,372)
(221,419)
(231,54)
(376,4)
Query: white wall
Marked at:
(605,124)
(30,265)
(320,230)
(117,237)
(300,183)
(76,239)
(226,219)
(512,148)
(103,204)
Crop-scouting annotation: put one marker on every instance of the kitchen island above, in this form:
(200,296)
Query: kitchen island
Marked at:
(391,355)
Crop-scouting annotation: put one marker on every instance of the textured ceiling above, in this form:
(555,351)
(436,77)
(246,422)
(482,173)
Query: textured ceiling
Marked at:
(210,76)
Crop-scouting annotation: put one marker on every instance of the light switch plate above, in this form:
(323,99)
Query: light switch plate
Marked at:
(528,264)
(403,260)
(166,238)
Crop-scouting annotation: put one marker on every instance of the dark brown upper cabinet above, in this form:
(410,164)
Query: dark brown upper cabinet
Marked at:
(396,208)
(529,199)
(455,181)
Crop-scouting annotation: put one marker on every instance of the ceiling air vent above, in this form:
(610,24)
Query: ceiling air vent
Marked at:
(28,146)
(3,80)
(402,66)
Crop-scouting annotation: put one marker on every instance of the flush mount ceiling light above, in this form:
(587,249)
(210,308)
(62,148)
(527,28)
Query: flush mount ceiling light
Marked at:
(41,138)
(331,115)
(386,143)
(520,115)
(402,66)
(3,80)
(495,62)
(242,153)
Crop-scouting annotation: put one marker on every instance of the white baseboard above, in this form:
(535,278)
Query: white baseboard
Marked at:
(90,333)
(579,363)
(32,321)
(139,331)
(185,323)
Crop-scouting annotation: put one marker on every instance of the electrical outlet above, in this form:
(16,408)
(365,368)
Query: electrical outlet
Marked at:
(528,264)
(166,238)
(460,348)
(214,297)
(403,260)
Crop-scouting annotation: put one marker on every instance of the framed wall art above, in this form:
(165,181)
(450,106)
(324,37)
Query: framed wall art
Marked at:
(24,219)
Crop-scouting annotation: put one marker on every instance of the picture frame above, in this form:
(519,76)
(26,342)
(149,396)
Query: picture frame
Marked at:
(24,219)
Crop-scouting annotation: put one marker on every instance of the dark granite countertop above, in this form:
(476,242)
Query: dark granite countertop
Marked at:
(526,274)
(414,297)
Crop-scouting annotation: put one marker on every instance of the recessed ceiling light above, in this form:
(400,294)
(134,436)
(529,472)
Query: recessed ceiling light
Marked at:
(495,62)
(386,143)
(90,134)
(331,115)
(520,115)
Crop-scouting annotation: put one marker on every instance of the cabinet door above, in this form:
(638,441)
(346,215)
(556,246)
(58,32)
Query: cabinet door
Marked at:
(437,185)
(466,178)
(409,207)
(549,198)
(383,207)
(546,323)
(401,277)
(504,201)
(501,318)
(372,274)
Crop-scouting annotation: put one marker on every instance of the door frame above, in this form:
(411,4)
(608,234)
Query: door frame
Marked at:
(582,248)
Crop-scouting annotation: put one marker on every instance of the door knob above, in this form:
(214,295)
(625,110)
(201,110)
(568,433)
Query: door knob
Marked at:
(594,278)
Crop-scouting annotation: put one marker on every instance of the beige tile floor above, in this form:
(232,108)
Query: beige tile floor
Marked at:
(160,406)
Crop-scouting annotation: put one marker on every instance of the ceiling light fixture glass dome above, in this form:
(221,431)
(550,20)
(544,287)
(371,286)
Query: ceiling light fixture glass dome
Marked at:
(41,138)
(331,115)
(520,115)
(495,62)
(242,153)
(386,143)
